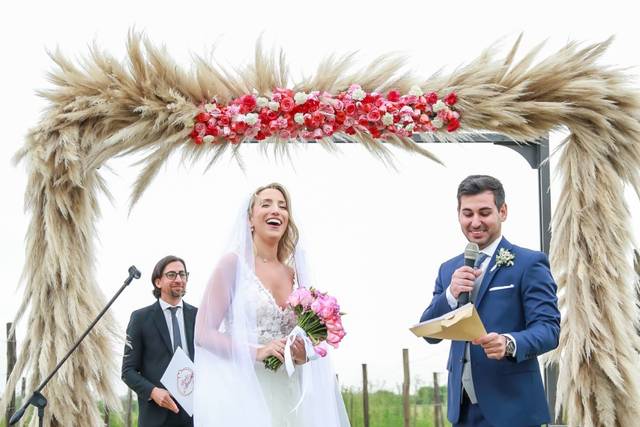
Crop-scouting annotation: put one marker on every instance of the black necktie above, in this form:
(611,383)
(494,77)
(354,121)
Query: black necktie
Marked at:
(177,340)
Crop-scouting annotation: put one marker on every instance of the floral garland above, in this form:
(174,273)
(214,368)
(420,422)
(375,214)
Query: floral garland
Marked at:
(316,115)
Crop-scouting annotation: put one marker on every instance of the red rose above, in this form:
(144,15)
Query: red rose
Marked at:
(432,98)
(224,121)
(453,125)
(451,99)
(272,115)
(198,140)
(239,127)
(350,131)
(308,121)
(249,102)
(340,116)
(194,133)
(375,132)
(318,116)
(200,128)
(350,108)
(374,116)
(212,130)
(393,95)
(312,105)
(287,104)
(260,136)
(203,117)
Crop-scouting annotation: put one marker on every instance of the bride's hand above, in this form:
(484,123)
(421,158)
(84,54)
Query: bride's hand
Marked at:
(298,351)
(273,348)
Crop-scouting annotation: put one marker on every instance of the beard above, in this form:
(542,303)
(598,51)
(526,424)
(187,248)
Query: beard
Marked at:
(178,293)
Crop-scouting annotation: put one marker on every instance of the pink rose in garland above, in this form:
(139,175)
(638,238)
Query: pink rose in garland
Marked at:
(318,314)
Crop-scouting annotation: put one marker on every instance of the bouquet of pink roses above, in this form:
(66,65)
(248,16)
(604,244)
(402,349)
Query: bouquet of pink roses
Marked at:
(319,316)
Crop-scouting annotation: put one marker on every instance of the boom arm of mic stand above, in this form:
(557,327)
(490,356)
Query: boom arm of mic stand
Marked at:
(37,399)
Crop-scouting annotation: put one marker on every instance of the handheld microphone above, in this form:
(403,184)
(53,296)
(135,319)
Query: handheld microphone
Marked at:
(134,273)
(471,253)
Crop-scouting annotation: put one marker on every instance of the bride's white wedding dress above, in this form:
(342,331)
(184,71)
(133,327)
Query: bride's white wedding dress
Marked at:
(281,391)
(236,316)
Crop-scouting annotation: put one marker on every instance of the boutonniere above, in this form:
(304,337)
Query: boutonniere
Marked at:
(504,257)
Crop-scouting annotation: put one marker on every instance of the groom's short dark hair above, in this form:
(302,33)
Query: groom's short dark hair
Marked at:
(476,184)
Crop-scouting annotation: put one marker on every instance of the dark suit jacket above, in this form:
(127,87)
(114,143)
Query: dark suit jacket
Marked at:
(147,354)
(519,300)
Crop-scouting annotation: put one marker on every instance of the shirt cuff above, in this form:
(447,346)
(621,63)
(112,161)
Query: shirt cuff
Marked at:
(515,344)
(453,303)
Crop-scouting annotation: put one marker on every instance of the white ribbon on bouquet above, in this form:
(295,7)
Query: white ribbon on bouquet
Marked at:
(289,365)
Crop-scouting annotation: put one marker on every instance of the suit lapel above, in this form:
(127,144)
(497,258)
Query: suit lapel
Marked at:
(161,324)
(491,271)
(189,321)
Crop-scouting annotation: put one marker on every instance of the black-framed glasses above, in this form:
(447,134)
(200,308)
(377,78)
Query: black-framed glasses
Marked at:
(171,275)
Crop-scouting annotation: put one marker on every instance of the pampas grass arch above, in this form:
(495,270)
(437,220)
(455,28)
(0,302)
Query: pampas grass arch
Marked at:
(105,108)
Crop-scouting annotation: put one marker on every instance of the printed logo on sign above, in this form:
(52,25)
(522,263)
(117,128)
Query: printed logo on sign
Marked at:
(184,378)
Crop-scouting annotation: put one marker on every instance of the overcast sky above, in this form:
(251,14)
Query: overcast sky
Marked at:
(376,235)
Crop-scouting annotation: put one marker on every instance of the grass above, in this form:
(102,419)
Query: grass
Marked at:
(385,409)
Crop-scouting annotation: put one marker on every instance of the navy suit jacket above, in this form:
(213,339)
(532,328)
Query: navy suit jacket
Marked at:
(147,354)
(519,300)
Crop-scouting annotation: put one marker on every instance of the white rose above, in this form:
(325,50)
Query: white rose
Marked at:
(358,94)
(208,139)
(261,101)
(273,105)
(437,122)
(409,127)
(239,118)
(300,98)
(415,90)
(387,119)
(439,106)
(251,119)
(298,118)
(209,107)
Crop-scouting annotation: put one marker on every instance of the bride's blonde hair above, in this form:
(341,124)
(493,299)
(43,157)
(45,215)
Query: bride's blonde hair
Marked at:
(289,239)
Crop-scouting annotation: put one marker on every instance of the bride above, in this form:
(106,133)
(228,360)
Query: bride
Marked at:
(243,319)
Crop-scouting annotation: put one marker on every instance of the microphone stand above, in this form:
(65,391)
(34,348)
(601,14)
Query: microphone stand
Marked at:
(37,399)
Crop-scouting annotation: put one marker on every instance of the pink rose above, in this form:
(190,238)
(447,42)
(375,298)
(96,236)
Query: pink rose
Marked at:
(287,104)
(374,115)
(320,351)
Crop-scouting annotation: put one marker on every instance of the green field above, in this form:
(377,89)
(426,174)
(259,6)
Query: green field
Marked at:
(385,409)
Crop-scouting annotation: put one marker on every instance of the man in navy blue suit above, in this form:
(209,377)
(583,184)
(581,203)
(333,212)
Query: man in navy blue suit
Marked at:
(495,380)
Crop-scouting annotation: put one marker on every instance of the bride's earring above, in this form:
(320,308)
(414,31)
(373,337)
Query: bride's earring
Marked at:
(253,228)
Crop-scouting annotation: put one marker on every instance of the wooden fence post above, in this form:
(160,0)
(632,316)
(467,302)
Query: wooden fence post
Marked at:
(11,362)
(365,395)
(405,388)
(437,403)
(128,415)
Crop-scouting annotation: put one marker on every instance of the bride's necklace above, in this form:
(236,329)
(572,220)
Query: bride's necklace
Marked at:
(260,257)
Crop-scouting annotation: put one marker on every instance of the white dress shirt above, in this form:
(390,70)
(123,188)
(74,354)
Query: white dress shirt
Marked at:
(165,306)
(489,250)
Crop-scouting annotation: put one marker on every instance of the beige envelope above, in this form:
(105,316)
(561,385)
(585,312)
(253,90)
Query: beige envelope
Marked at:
(461,324)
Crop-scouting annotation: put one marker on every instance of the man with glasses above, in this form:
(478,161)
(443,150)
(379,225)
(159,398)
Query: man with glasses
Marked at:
(153,334)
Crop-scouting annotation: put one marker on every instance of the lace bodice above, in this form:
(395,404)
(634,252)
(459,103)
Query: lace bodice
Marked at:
(272,321)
